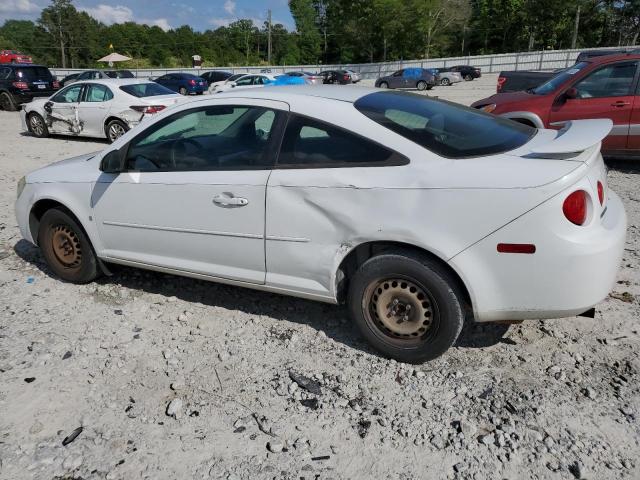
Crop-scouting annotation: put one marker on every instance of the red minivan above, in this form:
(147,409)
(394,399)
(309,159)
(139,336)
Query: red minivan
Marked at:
(601,87)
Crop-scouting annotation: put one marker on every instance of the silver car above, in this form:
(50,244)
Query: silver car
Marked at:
(355,76)
(309,78)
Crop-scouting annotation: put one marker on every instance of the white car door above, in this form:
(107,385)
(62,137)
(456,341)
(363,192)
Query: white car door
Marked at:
(193,195)
(94,108)
(246,82)
(62,110)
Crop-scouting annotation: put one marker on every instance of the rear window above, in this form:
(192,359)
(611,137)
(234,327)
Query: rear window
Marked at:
(141,90)
(33,73)
(445,128)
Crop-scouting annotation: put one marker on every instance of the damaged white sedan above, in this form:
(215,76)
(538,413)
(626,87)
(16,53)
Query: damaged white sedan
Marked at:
(98,108)
(414,211)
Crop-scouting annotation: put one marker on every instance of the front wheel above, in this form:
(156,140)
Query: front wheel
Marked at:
(37,126)
(182,91)
(115,129)
(406,306)
(383,85)
(66,248)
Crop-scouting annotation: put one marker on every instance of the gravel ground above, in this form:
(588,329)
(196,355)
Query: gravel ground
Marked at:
(146,375)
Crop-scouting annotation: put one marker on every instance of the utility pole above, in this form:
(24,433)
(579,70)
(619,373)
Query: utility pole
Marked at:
(574,40)
(64,60)
(269,37)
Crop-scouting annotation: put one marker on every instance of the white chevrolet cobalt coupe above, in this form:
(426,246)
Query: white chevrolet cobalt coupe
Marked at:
(414,211)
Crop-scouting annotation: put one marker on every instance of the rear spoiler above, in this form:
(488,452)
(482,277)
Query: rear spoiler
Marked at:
(576,136)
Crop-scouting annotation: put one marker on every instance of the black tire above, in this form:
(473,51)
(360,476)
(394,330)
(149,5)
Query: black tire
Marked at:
(445,82)
(429,87)
(37,125)
(423,333)
(468,77)
(383,85)
(66,248)
(7,103)
(115,129)
(182,91)
(421,85)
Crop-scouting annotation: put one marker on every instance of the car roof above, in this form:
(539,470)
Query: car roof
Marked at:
(615,57)
(298,93)
(116,81)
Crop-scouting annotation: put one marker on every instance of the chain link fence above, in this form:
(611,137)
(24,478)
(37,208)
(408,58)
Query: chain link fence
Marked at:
(540,60)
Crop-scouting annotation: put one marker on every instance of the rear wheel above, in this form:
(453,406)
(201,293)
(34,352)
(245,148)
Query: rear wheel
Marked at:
(383,85)
(421,85)
(468,77)
(66,248)
(37,126)
(7,103)
(183,91)
(445,82)
(115,129)
(406,306)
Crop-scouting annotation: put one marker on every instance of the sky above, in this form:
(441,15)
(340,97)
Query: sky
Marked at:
(199,14)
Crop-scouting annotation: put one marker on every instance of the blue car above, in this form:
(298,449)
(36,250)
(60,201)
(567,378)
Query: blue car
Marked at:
(183,83)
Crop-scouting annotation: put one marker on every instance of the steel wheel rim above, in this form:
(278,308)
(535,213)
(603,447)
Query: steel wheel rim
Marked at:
(65,245)
(116,131)
(36,125)
(402,311)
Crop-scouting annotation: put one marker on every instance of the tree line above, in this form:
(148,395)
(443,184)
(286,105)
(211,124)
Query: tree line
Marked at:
(334,31)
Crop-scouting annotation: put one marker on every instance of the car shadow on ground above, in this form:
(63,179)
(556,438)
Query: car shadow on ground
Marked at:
(623,165)
(331,319)
(69,137)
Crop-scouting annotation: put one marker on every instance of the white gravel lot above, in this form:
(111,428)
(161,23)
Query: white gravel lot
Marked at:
(556,399)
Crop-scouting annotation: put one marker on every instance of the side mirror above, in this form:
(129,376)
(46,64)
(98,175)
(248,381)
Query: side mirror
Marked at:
(113,162)
(571,93)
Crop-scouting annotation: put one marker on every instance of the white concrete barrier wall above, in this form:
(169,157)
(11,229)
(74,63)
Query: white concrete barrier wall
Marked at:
(541,60)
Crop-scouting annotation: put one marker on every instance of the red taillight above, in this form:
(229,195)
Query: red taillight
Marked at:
(501,81)
(575,207)
(192,82)
(516,248)
(346,77)
(600,192)
(55,84)
(21,85)
(148,109)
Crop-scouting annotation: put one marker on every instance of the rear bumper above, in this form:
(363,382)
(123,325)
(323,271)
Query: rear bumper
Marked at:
(572,270)
(26,97)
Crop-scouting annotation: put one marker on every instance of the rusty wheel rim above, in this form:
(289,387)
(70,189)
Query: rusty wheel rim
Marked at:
(400,308)
(66,246)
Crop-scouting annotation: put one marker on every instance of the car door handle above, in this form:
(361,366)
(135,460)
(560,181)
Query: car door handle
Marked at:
(620,103)
(228,200)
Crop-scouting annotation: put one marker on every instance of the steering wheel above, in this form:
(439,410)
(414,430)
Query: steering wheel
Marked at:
(179,147)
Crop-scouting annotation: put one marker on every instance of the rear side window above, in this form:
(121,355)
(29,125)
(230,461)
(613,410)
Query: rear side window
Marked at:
(31,74)
(98,93)
(610,81)
(142,90)
(310,143)
(445,128)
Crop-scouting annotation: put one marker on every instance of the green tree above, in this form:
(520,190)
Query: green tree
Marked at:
(309,38)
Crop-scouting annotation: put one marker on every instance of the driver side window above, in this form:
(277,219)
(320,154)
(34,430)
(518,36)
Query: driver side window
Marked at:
(209,138)
(68,95)
(610,81)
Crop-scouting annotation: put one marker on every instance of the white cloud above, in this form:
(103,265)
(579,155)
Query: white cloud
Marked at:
(121,14)
(18,6)
(220,22)
(230,7)
(163,23)
(108,14)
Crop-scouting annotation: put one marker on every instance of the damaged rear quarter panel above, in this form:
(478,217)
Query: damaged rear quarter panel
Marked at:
(315,217)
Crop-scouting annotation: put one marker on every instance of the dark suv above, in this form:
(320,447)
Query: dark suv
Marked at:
(20,83)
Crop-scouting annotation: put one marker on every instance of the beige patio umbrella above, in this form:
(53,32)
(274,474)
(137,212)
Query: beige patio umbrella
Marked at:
(114,57)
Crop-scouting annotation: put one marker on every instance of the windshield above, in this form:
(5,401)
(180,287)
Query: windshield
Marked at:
(552,84)
(445,128)
(141,90)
